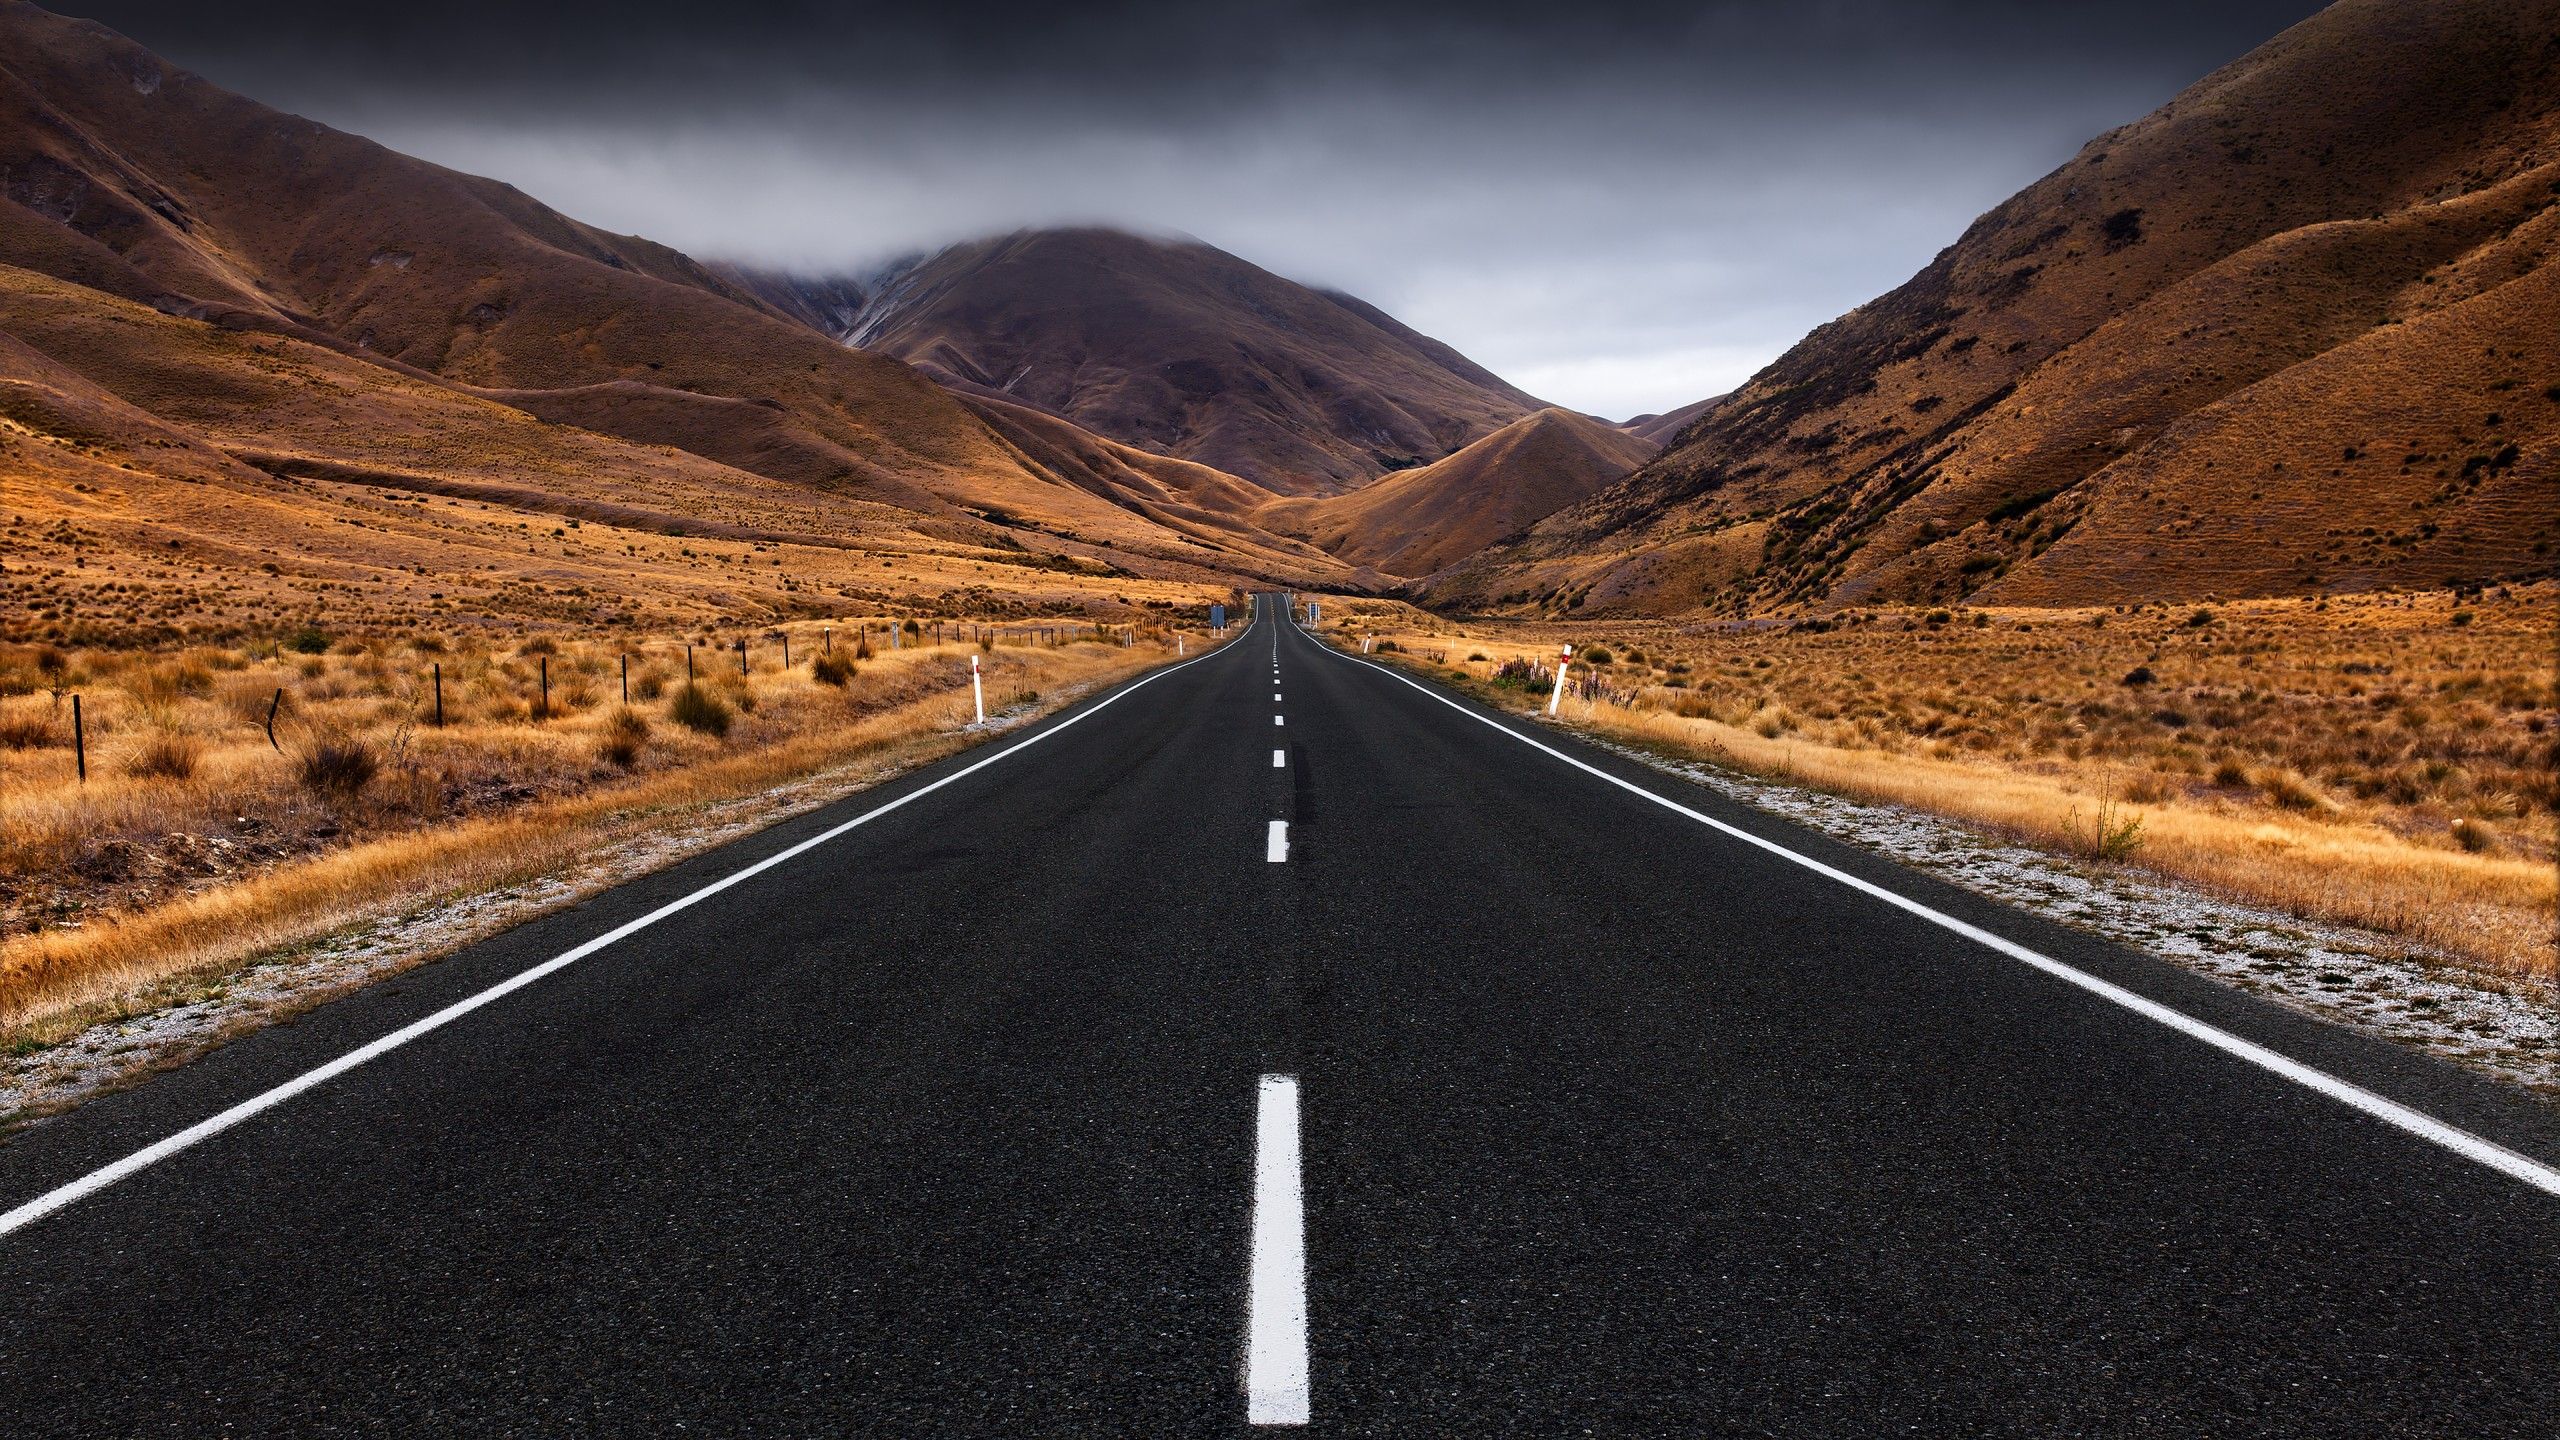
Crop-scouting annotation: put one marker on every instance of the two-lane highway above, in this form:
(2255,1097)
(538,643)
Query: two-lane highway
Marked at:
(1276,1040)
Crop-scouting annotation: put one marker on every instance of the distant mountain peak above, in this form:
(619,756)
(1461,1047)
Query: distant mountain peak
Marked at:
(1172,345)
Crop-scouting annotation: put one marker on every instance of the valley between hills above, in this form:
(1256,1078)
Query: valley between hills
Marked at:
(2196,511)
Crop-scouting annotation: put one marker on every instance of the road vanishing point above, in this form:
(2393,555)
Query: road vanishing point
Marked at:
(1330,1055)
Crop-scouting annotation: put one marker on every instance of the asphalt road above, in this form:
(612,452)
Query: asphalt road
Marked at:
(1606,1121)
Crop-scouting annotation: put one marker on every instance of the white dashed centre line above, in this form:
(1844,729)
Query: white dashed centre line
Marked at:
(1275,1357)
(1276,848)
(1279,759)
(1278,720)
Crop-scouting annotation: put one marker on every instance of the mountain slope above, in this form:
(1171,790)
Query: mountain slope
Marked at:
(1662,429)
(140,182)
(1414,522)
(1184,350)
(2295,330)
(145,181)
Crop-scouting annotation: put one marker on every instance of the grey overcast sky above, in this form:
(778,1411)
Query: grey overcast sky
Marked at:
(1620,207)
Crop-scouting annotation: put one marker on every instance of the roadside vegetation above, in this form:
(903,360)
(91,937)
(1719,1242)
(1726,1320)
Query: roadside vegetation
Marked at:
(2390,762)
(246,798)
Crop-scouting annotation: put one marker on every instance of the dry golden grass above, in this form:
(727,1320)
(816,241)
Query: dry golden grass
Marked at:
(363,808)
(2385,762)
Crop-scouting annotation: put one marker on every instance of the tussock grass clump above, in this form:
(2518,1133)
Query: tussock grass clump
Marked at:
(701,711)
(828,670)
(624,736)
(2288,791)
(166,755)
(31,732)
(339,767)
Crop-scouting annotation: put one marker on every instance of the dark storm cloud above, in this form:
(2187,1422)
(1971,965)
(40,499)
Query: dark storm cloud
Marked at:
(1618,206)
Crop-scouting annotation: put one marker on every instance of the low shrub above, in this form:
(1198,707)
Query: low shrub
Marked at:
(308,641)
(828,670)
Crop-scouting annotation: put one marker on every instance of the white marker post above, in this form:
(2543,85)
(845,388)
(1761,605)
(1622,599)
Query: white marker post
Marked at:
(977,690)
(1562,663)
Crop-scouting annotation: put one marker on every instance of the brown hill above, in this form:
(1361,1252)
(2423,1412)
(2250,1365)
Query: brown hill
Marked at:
(2297,330)
(1662,429)
(1414,522)
(167,478)
(1184,350)
(143,184)
(147,182)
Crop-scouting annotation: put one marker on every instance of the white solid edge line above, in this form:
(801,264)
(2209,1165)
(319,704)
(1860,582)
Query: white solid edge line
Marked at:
(1279,759)
(2477,1149)
(1275,846)
(1275,1353)
(150,1155)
